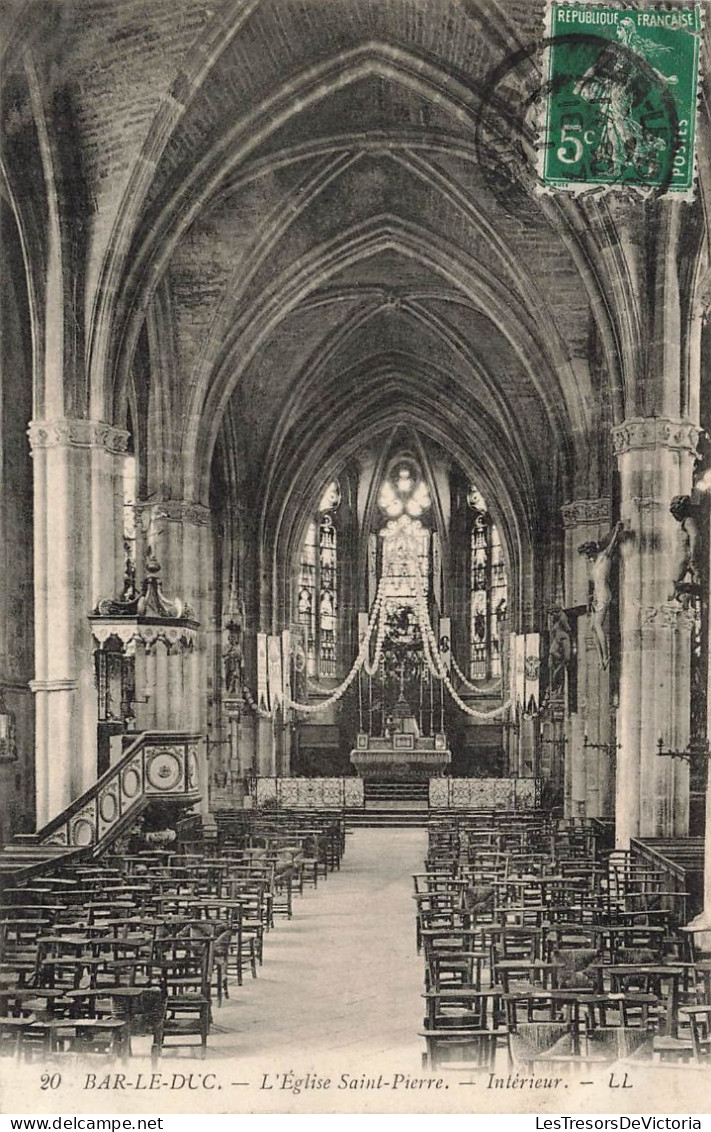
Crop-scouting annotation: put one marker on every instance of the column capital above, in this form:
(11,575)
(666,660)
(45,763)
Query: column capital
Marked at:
(669,615)
(66,433)
(175,511)
(655,432)
(581,511)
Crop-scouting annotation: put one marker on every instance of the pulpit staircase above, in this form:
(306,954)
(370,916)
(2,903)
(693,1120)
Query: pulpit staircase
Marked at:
(158,766)
(395,803)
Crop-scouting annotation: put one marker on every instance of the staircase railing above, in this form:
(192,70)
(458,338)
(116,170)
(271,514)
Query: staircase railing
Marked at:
(158,765)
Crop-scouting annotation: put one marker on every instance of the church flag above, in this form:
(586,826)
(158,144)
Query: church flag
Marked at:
(286,663)
(262,688)
(437,569)
(518,669)
(532,672)
(445,642)
(372,568)
(276,690)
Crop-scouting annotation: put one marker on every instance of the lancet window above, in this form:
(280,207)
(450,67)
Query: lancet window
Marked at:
(317,598)
(488,592)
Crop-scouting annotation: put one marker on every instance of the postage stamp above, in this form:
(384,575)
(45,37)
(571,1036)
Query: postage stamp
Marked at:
(620,96)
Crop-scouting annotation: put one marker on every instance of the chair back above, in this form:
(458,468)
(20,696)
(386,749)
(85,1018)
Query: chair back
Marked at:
(185,965)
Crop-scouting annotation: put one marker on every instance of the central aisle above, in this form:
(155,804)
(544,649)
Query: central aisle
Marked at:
(342,979)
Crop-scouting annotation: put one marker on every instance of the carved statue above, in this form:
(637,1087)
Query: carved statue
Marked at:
(560,649)
(687,570)
(599,556)
(233,659)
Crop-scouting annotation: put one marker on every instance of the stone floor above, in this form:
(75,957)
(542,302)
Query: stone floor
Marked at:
(342,977)
(340,988)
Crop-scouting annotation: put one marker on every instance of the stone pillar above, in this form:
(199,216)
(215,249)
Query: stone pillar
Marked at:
(589,770)
(248,743)
(233,711)
(76,465)
(526,766)
(656,457)
(702,922)
(286,741)
(266,747)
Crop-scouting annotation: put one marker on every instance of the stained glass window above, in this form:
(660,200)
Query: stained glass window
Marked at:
(317,597)
(403,498)
(405,541)
(488,590)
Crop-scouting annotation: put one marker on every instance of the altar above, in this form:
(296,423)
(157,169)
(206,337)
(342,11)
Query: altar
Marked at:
(400,756)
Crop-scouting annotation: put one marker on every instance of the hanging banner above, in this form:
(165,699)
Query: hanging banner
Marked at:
(445,642)
(372,569)
(532,672)
(286,663)
(299,661)
(262,688)
(437,569)
(518,670)
(276,689)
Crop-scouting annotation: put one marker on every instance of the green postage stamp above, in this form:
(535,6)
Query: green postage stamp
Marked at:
(620,93)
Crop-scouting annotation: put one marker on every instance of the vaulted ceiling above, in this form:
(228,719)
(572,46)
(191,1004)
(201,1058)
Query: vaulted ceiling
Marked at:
(317,218)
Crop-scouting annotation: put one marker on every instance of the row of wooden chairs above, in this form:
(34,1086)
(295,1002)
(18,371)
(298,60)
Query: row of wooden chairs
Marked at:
(147,941)
(536,951)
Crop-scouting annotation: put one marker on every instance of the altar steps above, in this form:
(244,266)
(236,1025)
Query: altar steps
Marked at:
(397,791)
(396,803)
(379,816)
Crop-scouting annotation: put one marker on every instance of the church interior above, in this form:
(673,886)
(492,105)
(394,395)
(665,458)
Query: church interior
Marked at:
(355,517)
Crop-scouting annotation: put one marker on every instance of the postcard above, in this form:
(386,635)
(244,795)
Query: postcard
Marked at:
(354,601)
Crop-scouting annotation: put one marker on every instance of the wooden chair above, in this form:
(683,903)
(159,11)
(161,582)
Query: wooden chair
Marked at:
(11,1032)
(460,1049)
(220,933)
(108,1037)
(700,1025)
(185,970)
(315,859)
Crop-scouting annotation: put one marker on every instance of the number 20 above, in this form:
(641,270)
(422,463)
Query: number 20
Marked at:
(50,1080)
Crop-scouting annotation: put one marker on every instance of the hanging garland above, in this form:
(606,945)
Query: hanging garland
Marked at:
(360,660)
(431,652)
(372,667)
(494,686)
(434,660)
(339,692)
(254,706)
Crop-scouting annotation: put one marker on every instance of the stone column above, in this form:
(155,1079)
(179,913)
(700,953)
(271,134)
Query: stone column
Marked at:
(76,466)
(266,747)
(248,743)
(526,765)
(233,711)
(285,752)
(702,922)
(656,457)
(589,770)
